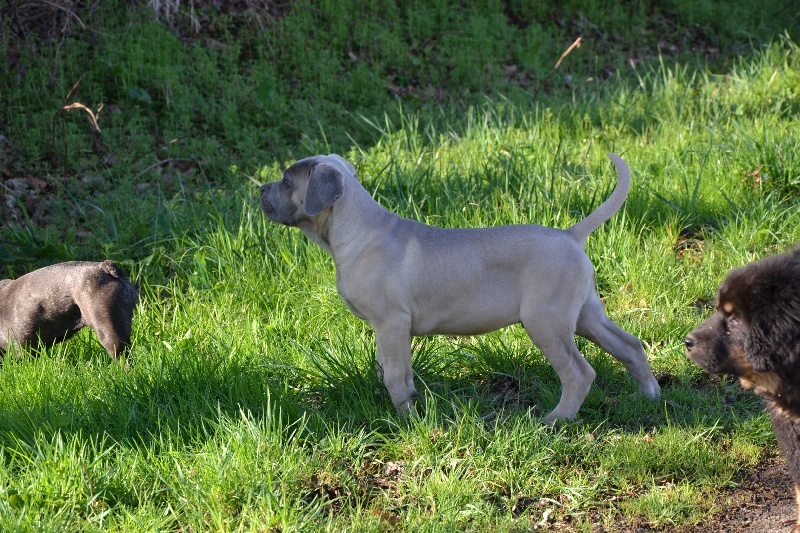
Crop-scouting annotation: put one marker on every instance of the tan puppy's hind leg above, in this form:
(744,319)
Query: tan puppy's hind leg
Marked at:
(594,325)
(574,371)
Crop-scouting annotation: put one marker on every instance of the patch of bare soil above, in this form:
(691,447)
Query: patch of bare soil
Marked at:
(763,503)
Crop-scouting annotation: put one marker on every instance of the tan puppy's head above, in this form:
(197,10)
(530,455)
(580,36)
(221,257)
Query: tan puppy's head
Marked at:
(308,188)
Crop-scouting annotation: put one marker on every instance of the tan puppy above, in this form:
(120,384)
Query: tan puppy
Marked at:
(52,303)
(406,278)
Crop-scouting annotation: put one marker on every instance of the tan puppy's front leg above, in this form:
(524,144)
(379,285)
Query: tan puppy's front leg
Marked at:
(394,364)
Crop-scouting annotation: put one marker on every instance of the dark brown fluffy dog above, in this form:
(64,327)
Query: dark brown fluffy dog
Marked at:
(755,335)
(51,304)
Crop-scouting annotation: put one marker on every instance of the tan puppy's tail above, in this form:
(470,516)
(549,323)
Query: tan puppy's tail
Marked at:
(581,230)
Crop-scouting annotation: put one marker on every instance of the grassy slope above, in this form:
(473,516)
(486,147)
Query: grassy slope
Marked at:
(250,402)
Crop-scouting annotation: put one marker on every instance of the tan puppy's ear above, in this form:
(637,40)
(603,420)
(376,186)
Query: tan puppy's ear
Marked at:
(325,186)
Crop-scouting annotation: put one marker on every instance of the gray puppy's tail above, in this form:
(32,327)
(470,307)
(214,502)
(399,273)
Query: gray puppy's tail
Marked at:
(111,268)
(581,230)
(127,290)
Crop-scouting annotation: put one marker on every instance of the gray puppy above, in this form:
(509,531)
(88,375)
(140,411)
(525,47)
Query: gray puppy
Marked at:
(407,278)
(52,303)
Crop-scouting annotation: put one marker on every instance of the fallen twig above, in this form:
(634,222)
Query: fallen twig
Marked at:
(576,44)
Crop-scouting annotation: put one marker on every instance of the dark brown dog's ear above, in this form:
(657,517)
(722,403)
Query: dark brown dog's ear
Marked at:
(770,347)
(325,186)
(773,315)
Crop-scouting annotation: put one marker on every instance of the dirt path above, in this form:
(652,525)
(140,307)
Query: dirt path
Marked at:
(763,503)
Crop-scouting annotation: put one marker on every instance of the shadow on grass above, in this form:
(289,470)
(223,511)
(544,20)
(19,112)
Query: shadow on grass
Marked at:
(186,390)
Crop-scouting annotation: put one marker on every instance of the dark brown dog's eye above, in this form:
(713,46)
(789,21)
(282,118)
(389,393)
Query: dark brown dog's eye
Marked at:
(730,323)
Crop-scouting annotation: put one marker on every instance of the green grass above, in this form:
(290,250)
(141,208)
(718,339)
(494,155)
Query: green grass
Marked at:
(250,402)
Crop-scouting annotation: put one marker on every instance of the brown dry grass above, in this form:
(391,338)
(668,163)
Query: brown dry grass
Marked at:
(55,19)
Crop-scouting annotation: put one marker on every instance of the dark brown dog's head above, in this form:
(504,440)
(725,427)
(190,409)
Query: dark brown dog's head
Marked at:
(755,332)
